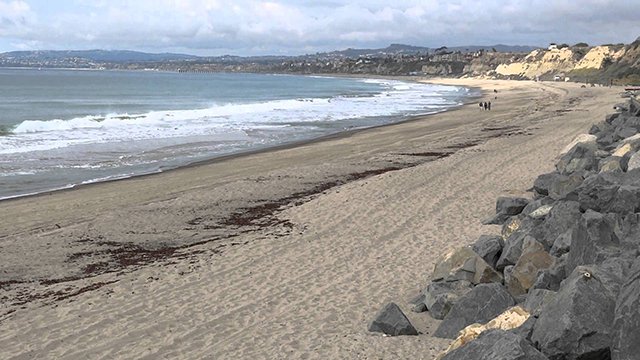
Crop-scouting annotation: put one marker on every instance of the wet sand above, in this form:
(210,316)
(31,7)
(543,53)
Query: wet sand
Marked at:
(285,253)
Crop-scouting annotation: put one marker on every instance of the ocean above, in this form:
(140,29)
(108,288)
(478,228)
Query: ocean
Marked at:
(62,128)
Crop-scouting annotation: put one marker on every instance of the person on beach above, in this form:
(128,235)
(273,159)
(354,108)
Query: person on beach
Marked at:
(489,105)
(480,105)
(485,105)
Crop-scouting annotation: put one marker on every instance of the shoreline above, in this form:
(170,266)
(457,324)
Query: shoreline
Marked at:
(290,254)
(250,152)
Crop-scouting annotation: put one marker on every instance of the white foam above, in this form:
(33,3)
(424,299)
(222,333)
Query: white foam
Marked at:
(398,98)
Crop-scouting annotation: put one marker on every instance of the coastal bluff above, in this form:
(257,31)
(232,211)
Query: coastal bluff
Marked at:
(562,279)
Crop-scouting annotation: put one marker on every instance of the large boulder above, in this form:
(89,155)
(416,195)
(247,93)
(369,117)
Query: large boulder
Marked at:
(489,248)
(536,299)
(626,324)
(480,305)
(512,318)
(612,164)
(555,185)
(610,192)
(634,161)
(496,345)
(523,275)
(550,279)
(588,140)
(439,296)
(391,320)
(563,216)
(576,323)
(581,157)
(505,208)
(513,249)
(464,264)
(594,241)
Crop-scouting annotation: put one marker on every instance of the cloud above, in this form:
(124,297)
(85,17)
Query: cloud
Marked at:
(287,26)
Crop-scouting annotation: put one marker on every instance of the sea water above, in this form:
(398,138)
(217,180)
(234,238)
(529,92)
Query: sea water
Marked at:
(61,128)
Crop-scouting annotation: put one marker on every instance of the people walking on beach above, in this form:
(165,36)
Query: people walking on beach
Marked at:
(481,105)
(489,105)
(484,104)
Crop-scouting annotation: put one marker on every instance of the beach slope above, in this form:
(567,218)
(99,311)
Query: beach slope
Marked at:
(286,253)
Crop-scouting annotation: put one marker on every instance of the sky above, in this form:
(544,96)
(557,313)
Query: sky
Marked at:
(289,27)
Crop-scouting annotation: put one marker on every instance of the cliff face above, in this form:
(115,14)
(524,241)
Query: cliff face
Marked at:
(602,64)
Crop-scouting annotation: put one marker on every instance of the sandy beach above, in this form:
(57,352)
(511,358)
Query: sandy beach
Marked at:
(285,253)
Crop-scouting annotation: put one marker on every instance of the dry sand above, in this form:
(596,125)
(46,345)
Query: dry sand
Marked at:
(286,253)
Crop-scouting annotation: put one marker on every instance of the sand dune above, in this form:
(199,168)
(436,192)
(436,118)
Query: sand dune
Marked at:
(280,254)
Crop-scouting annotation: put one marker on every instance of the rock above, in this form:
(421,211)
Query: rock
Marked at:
(634,161)
(523,275)
(480,305)
(440,296)
(622,150)
(512,249)
(536,204)
(543,183)
(580,158)
(550,279)
(465,264)
(610,192)
(594,240)
(391,320)
(526,329)
(541,212)
(563,216)
(489,248)
(496,345)
(576,323)
(419,308)
(562,243)
(564,186)
(584,139)
(626,324)
(611,164)
(505,208)
(536,298)
(510,319)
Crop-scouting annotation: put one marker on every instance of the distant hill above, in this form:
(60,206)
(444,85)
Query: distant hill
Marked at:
(397,49)
(111,56)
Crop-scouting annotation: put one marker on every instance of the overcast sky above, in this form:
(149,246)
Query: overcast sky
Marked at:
(246,27)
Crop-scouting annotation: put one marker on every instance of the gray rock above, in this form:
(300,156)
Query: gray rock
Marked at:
(594,241)
(440,296)
(489,248)
(626,324)
(543,182)
(576,323)
(536,298)
(565,186)
(524,274)
(480,305)
(464,264)
(391,320)
(507,207)
(419,308)
(541,212)
(580,158)
(611,164)
(536,204)
(634,161)
(496,344)
(551,278)
(512,249)
(562,243)
(563,216)
(526,329)
(610,192)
